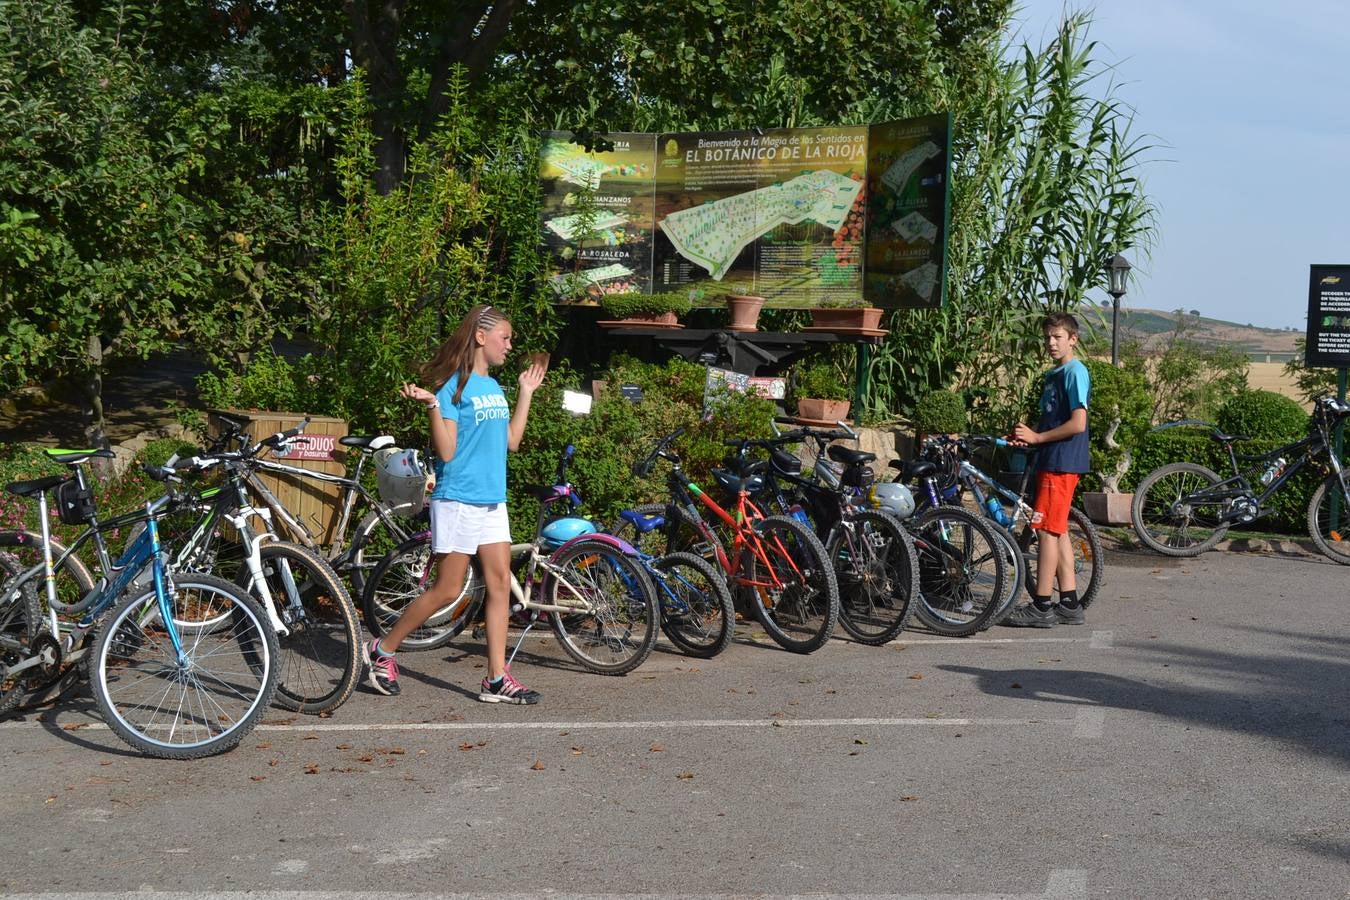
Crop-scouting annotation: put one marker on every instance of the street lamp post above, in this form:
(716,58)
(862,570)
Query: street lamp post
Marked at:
(1119,270)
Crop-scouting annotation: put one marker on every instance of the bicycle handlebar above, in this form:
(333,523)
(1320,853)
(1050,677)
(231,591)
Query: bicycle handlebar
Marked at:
(643,469)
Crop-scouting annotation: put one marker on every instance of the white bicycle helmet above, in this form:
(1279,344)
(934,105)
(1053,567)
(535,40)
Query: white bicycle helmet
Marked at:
(893,497)
(401,479)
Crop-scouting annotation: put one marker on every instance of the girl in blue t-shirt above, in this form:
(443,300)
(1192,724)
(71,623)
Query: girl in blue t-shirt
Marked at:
(472,428)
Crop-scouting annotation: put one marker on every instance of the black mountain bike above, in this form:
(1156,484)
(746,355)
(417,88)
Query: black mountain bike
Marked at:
(1184,509)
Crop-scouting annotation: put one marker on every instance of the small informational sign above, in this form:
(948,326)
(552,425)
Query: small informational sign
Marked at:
(631,392)
(313,446)
(723,380)
(1328,339)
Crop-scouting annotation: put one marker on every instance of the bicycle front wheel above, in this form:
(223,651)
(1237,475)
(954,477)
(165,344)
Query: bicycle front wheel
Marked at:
(1329,519)
(374,538)
(696,609)
(1089,559)
(611,625)
(961,571)
(404,575)
(794,589)
(197,703)
(1171,514)
(1019,568)
(321,654)
(878,574)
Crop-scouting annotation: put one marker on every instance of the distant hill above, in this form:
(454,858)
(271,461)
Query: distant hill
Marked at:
(1150,326)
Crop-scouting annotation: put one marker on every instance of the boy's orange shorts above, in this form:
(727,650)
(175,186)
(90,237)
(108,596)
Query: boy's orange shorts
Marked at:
(1054,496)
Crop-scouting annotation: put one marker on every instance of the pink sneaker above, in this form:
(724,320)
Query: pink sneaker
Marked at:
(508,690)
(382,671)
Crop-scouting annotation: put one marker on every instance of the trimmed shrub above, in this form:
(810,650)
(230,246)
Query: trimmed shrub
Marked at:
(1263,415)
(940,412)
(1115,393)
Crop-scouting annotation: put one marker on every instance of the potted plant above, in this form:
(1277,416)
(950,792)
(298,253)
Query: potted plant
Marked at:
(938,412)
(845,317)
(660,310)
(821,395)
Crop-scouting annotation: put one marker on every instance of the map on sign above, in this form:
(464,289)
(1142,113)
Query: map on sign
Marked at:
(565,227)
(915,227)
(596,276)
(897,175)
(578,168)
(713,234)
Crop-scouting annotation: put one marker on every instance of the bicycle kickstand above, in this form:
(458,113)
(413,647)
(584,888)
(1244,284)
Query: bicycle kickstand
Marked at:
(534,618)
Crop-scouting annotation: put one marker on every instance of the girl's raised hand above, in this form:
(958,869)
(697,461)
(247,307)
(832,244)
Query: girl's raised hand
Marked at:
(532,377)
(420,394)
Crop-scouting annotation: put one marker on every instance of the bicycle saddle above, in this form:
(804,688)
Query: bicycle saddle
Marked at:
(751,482)
(36,485)
(75,457)
(642,523)
(1230,438)
(378,442)
(849,456)
(917,468)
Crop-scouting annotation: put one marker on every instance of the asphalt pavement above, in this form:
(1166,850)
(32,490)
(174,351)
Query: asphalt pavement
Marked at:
(1191,740)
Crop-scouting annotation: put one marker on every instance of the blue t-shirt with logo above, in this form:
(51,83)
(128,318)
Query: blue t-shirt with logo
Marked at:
(477,473)
(1066,389)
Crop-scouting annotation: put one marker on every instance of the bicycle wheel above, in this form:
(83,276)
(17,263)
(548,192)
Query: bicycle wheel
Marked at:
(696,610)
(74,581)
(611,624)
(321,656)
(1331,533)
(796,596)
(373,539)
(1089,559)
(1167,517)
(961,571)
(202,703)
(878,574)
(20,623)
(399,579)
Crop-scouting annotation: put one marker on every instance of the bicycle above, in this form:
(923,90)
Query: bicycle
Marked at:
(874,558)
(776,564)
(379,530)
(1183,509)
(599,599)
(180,669)
(305,601)
(1009,510)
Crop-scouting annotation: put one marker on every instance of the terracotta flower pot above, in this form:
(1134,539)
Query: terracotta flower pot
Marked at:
(850,318)
(666,319)
(1108,508)
(822,410)
(744,311)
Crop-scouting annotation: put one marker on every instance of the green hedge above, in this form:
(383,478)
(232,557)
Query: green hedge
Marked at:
(1289,504)
(1263,415)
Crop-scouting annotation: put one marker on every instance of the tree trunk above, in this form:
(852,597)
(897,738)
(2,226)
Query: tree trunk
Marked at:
(91,383)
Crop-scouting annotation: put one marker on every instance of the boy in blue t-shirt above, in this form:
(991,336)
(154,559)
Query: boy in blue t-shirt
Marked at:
(1061,439)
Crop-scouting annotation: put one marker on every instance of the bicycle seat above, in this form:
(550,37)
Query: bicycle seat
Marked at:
(751,482)
(642,523)
(378,442)
(542,492)
(1230,438)
(75,457)
(917,468)
(848,456)
(36,485)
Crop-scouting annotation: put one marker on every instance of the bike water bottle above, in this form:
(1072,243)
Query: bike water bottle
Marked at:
(1273,471)
(995,510)
(799,514)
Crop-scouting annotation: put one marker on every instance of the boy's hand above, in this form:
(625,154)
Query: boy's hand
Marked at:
(1024,436)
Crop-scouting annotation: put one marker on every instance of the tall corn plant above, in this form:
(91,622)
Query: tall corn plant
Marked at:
(1045,187)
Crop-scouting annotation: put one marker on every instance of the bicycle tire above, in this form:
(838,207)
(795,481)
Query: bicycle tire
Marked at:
(203,707)
(878,576)
(1018,572)
(1332,536)
(961,573)
(699,618)
(402,576)
(1163,522)
(615,626)
(372,540)
(802,614)
(26,546)
(1089,558)
(320,659)
(20,623)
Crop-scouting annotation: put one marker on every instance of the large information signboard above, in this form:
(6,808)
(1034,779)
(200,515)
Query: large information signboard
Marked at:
(1328,343)
(803,217)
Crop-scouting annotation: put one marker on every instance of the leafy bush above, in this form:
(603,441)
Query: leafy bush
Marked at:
(821,381)
(269,382)
(940,412)
(1263,415)
(1119,405)
(623,305)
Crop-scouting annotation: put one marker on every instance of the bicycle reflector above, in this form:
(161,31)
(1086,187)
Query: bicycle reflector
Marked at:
(401,480)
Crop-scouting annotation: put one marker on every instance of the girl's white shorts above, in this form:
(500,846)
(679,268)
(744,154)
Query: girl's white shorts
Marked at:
(461,527)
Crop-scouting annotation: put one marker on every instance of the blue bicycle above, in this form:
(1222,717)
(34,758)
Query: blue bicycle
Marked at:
(182,665)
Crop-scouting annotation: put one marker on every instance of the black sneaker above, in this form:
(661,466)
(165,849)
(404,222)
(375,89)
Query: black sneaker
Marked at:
(1069,615)
(508,690)
(1030,616)
(382,671)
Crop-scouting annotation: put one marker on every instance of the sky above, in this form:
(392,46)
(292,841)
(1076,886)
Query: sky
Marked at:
(1249,103)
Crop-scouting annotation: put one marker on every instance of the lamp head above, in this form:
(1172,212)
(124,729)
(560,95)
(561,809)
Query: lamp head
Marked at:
(1119,270)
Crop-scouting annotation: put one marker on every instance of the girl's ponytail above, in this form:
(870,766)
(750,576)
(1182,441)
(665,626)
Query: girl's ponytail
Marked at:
(455,356)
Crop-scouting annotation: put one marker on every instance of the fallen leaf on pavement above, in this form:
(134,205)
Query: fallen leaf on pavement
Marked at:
(538,766)
(916,677)
(658,748)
